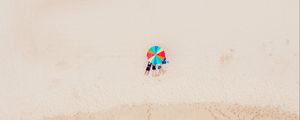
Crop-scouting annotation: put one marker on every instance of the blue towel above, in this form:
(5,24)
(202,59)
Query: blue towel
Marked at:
(165,61)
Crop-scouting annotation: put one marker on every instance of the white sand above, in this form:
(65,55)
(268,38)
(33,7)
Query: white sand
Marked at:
(60,57)
(183,112)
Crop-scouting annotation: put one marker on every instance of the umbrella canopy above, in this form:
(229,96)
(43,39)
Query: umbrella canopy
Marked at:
(156,55)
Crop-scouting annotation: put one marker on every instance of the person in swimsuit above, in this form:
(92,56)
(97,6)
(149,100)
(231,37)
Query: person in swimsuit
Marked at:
(153,67)
(154,73)
(148,68)
(160,70)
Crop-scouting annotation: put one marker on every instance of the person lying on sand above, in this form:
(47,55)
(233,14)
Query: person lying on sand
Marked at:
(160,70)
(148,68)
(154,73)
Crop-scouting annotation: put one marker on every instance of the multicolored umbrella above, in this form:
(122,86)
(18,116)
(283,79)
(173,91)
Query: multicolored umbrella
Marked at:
(156,55)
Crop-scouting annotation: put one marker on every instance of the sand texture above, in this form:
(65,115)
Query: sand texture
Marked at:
(82,57)
(184,112)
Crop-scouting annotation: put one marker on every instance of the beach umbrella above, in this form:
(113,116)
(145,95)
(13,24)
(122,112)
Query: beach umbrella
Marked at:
(156,55)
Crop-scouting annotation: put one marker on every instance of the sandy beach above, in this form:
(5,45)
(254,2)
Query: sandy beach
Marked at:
(67,59)
(184,112)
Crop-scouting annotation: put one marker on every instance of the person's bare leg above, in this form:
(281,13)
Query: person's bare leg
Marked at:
(159,72)
(162,70)
(154,73)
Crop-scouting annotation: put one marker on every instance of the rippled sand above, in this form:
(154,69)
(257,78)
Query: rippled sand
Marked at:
(184,112)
